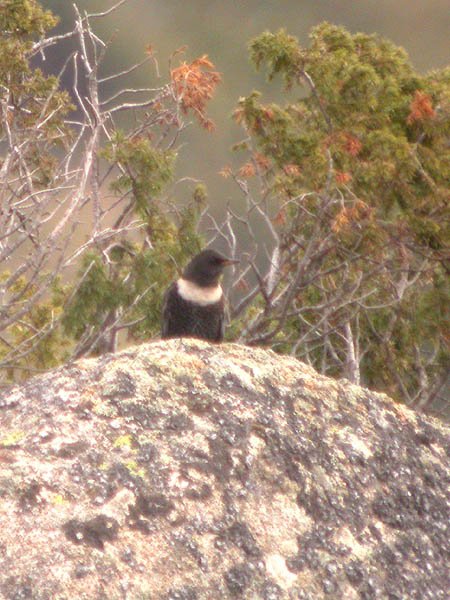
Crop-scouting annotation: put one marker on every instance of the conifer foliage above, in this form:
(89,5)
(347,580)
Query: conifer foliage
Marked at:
(351,185)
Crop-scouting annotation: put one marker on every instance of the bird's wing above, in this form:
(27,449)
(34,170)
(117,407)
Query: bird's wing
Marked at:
(167,301)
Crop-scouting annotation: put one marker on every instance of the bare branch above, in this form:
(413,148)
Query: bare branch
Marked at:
(107,12)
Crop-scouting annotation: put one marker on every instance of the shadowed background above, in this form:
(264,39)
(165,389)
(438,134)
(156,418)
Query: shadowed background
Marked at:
(223,29)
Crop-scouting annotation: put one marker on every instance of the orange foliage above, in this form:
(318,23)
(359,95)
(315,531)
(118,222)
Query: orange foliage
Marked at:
(421,108)
(352,145)
(247,170)
(262,161)
(342,177)
(194,84)
(341,220)
(292,170)
(225,172)
(351,214)
(268,114)
(349,143)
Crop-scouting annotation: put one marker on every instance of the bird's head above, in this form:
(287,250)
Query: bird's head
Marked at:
(206,268)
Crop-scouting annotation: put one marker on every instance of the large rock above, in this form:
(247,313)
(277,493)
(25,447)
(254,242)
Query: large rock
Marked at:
(183,470)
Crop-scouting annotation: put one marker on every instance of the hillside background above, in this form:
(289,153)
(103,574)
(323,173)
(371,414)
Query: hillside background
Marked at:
(222,30)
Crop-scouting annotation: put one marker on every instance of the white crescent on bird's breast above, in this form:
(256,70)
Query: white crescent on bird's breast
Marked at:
(198,295)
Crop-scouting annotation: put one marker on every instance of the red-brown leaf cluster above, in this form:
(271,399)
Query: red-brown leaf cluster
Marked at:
(351,214)
(292,170)
(262,161)
(352,145)
(342,177)
(247,170)
(421,108)
(194,84)
(268,114)
(225,172)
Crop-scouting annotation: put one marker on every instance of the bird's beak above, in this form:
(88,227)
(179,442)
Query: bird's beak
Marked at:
(230,261)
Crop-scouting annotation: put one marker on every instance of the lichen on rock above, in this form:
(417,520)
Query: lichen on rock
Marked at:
(184,470)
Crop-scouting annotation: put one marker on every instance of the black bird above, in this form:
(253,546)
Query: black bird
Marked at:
(194,304)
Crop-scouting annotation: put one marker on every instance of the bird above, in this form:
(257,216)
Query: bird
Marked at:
(194,304)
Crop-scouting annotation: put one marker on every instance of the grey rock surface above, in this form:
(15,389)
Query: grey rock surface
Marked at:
(182,470)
